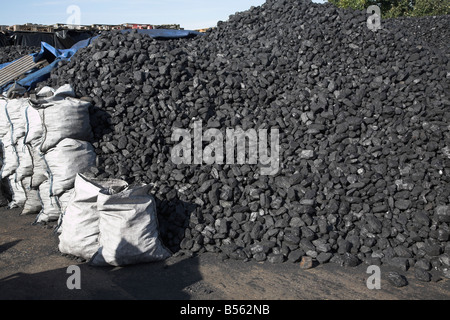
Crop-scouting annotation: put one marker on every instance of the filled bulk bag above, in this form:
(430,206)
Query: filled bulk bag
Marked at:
(25,160)
(4,124)
(68,158)
(40,173)
(32,203)
(17,192)
(14,111)
(79,225)
(52,206)
(129,231)
(63,116)
(34,129)
(51,209)
(10,160)
(33,139)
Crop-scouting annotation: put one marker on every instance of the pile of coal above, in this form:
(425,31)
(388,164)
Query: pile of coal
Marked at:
(432,30)
(363,147)
(12,53)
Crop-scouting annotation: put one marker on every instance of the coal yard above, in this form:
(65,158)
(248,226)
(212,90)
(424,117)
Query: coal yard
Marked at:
(345,136)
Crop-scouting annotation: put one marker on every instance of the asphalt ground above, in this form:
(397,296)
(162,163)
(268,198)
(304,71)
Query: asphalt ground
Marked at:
(32,268)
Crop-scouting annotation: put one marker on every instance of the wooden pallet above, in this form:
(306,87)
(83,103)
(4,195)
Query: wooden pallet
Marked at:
(23,28)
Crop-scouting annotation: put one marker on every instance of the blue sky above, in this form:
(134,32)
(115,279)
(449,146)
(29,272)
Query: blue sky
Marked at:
(190,14)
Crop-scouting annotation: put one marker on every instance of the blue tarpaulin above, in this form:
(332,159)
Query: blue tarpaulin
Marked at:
(54,55)
(49,52)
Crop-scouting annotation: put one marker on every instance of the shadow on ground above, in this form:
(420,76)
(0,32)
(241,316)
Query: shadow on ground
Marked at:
(32,268)
(8,245)
(151,281)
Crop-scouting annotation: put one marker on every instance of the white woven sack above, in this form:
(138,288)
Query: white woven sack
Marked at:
(52,206)
(40,168)
(25,167)
(17,191)
(129,231)
(33,139)
(10,161)
(61,119)
(32,203)
(79,228)
(14,116)
(4,124)
(65,161)
(34,128)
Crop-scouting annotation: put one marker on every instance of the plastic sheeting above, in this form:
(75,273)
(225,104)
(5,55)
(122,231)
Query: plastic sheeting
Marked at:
(32,39)
(63,39)
(68,38)
(3,40)
(50,53)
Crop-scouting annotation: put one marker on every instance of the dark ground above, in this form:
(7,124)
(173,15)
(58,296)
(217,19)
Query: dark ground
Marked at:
(31,268)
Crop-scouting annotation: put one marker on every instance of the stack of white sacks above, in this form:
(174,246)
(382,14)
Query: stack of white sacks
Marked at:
(45,143)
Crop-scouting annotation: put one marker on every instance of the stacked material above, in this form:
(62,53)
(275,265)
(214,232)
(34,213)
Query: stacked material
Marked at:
(46,141)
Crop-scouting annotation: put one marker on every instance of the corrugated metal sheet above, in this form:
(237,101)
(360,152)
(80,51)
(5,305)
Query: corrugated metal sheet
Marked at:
(18,68)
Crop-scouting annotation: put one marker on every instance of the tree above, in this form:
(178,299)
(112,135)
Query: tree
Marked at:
(398,8)
(402,8)
(431,8)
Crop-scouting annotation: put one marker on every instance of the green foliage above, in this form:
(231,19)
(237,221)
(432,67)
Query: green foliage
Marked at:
(431,7)
(352,4)
(398,8)
(402,8)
